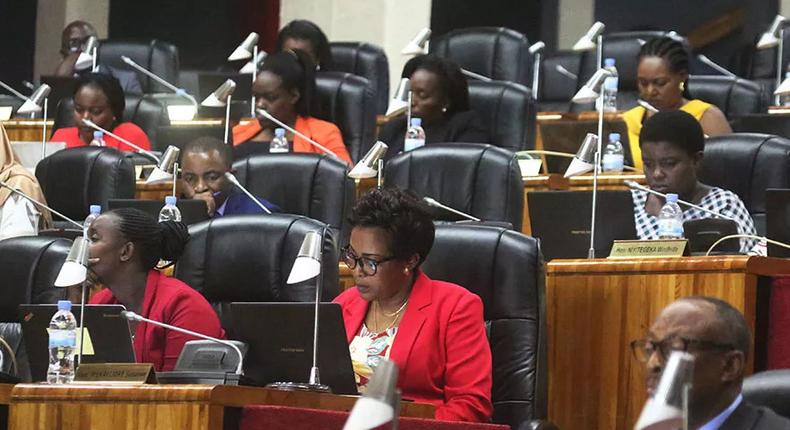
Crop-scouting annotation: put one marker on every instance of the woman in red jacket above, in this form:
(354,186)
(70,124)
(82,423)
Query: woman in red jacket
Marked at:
(126,245)
(99,98)
(434,331)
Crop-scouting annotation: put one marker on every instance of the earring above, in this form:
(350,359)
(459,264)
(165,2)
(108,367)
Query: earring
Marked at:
(682,86)
(444,109)
(405,270)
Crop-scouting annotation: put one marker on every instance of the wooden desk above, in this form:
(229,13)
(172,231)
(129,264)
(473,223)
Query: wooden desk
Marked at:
(143,191)
(5,400)
(99,407)
(26,130)
(595,308)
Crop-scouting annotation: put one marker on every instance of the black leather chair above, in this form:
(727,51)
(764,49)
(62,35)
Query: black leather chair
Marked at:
(508,110)
(247,258)
(312,185)
(366,60)
(504,268)
(30,265)
(734,96)
(157,56)
(759,65)
(496,52)
(557,88)
(146,112)
(349,102)
(481,180)
(747,164)
(770,389)
(74,179)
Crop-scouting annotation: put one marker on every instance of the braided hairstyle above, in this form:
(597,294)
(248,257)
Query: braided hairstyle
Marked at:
(670,50)
(154,240)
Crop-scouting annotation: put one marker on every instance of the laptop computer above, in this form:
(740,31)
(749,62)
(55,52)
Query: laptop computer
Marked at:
(193,211)
(561,220)
(29,153)
(110,337)
(280,339)
(777,214)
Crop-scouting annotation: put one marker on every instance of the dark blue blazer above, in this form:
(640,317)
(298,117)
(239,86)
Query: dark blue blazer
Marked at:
(238,203)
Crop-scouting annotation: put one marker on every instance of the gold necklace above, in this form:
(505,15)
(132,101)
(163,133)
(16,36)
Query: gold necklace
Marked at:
(394,320)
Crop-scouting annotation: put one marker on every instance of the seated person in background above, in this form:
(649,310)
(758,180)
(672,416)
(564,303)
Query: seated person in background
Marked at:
(285,87)
(433,330)
(662,77)
(672,146)
(204,162)
(72,41)
(308,37)
(18,216)
(99,98)
(125,246)
(717,335)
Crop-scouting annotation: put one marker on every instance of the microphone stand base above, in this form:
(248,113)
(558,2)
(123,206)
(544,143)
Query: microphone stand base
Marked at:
(299,386)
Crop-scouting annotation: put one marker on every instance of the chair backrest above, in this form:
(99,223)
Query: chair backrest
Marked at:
(734,96)
(770,389)
(557,88)
(74,179)
(504,268)
(349,102)
(366,60)
(247,258)
(145,111)
(509,112)
(157,56)
(747,164)
(312,185)
(496,52)
(481,180)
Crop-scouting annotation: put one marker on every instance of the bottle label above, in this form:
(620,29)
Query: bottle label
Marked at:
(669,228)
(62,338)
(409,144)
(613,162)
(611,83)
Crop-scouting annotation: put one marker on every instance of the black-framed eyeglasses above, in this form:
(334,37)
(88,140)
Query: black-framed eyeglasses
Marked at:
(643,349)
(369,265)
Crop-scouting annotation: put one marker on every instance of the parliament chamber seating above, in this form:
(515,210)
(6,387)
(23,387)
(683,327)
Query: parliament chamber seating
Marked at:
(504,268)
(368,61)
(157,56)
(771,389)
(556,89)
(312,185)
(759,65)
(747,164)
(30,265)
(479,179)
(509,112)
(76,178)
(247,258)
(498,53)
(734,96)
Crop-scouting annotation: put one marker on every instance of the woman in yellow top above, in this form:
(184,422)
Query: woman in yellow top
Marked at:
(661,77)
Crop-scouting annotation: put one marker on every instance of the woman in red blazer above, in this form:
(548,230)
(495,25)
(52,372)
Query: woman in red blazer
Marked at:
(126,245)
(434,331)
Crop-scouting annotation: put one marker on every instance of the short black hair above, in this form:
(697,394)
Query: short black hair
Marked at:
(207,144)
(111,88)
(452,82)
(155,240)
(735,331)
(671,50)
(302,29)
(677,127)
(297,72)
(402,214)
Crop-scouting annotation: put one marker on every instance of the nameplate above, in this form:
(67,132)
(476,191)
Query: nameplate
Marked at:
(648,248)
(125,373)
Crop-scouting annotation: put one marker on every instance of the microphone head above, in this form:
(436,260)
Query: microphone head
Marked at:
(129,315)
(232,178)
(89,123)
(632,184)
(128,60)
(263,113)
(536,47)
(430,201)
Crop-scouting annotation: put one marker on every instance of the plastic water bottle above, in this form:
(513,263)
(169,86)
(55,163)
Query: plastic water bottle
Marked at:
(62,344)
(670,219)
(95,211)
(613,157)
(170,211)
(279,143)
(610,87)
(98,139)
(415,135)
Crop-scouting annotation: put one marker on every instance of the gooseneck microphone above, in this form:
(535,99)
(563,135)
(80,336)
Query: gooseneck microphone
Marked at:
(179,91)
(142,151)
(436,204)
(229,176)
(39,204)
(131,316)
(632,184)
(293,130)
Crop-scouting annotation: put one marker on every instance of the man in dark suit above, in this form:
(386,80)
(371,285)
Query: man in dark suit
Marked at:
(716,334)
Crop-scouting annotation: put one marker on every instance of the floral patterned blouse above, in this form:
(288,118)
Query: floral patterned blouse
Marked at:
(367,349)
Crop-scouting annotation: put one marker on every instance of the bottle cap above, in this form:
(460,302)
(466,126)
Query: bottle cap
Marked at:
(614,137)
(416,122)
(609,62)
(95,209)
(279,132)
(170,200)
(672,198)
(64,305)
(98,135)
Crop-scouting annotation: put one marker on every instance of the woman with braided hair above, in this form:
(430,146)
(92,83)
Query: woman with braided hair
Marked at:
(662,75)
(125,245)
